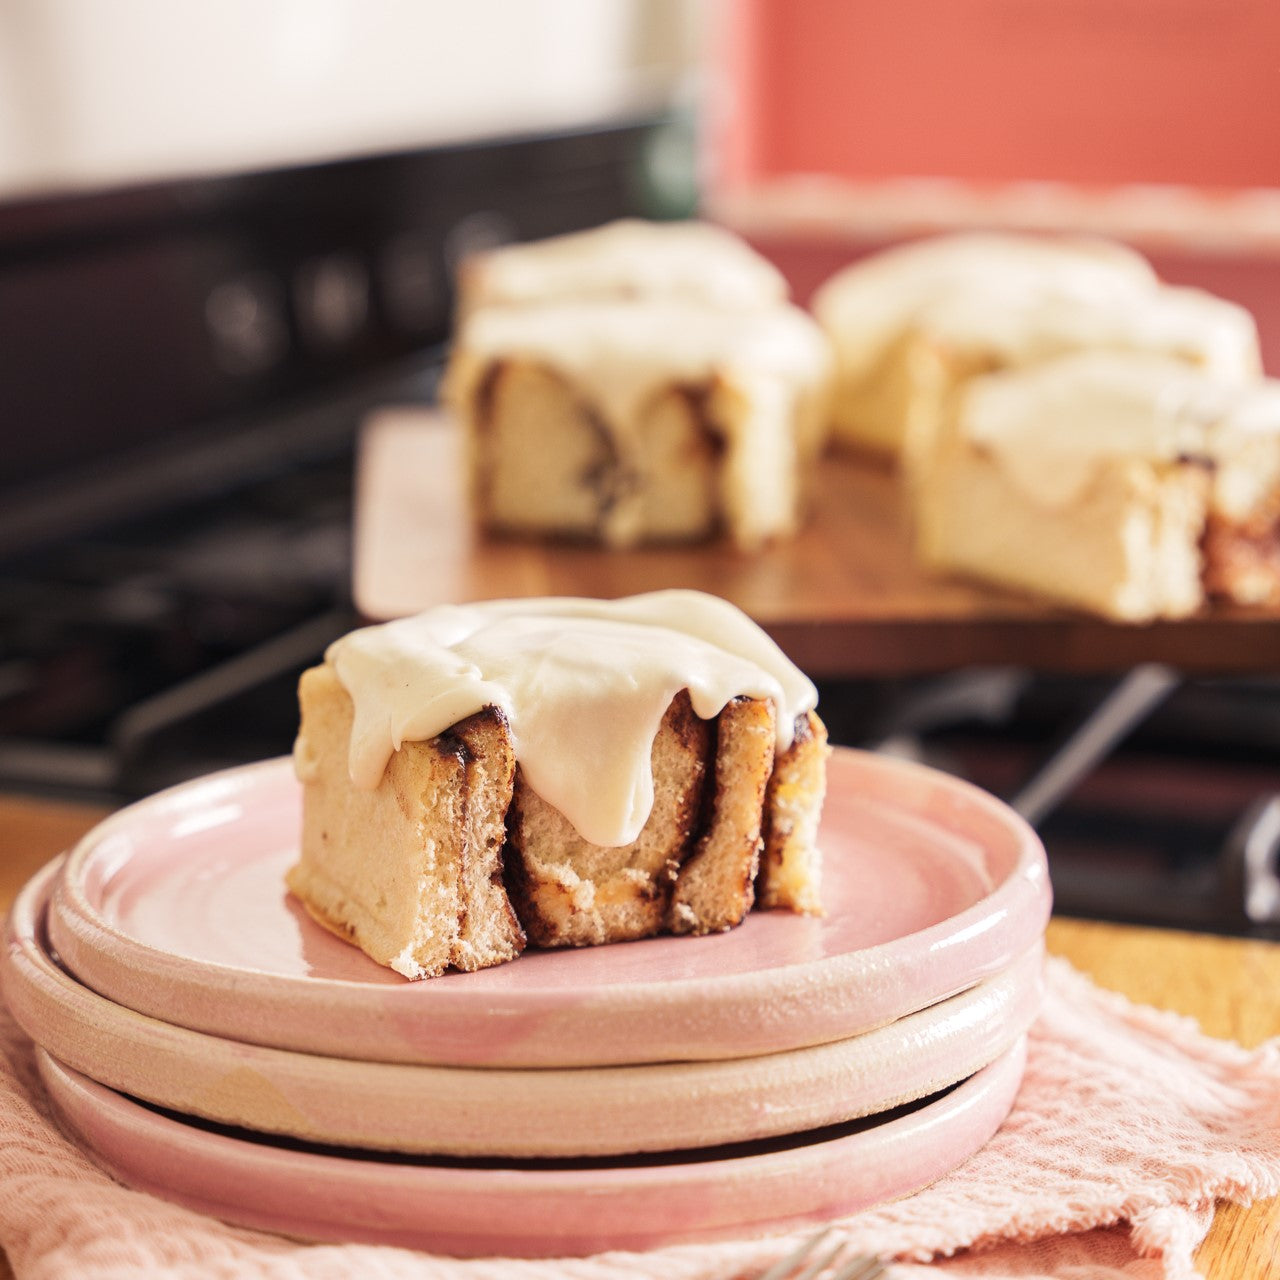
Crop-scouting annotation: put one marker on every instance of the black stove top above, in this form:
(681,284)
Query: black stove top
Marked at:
(1157,796)
(137,654)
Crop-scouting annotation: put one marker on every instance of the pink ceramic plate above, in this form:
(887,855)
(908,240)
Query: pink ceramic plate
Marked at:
(545,1210)
(591,1111)
(176,907)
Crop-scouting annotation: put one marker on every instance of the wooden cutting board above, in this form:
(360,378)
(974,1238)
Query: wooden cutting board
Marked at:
(845,598)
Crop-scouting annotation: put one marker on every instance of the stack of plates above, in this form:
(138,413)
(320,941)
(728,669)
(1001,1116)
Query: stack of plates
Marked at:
(202,1038)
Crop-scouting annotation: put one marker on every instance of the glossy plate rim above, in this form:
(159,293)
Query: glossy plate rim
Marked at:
(528,1212)
(549,1112)
(707,1017)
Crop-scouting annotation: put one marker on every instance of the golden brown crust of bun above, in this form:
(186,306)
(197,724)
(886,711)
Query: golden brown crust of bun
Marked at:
(453,861)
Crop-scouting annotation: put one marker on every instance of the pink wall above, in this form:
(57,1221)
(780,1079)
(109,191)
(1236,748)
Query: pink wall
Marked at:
(1096,91)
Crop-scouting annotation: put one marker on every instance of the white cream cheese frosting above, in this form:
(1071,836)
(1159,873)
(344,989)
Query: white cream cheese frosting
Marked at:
(869,305)
(619,354)
(1022,320)
(584,685)
(686,261)
(1052,426)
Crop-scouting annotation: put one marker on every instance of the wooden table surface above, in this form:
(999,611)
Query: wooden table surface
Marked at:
(1231,986)
(844,598)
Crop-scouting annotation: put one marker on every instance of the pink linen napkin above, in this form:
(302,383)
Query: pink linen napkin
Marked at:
(1130,1124)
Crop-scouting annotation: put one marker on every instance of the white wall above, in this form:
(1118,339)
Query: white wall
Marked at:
(96,92)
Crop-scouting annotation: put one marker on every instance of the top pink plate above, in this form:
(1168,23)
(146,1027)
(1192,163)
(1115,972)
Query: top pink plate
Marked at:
(176,907)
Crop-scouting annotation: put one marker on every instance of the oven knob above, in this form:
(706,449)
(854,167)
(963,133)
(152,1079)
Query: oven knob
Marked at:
(484,229)
(245,318)
(331,300)
(409,280)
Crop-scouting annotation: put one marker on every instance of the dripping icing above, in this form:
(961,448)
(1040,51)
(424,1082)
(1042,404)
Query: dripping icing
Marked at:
(584,685)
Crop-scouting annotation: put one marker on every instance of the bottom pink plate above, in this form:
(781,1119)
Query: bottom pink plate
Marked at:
(532,1209)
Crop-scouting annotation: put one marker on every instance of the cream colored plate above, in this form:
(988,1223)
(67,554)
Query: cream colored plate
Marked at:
(527,1113)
